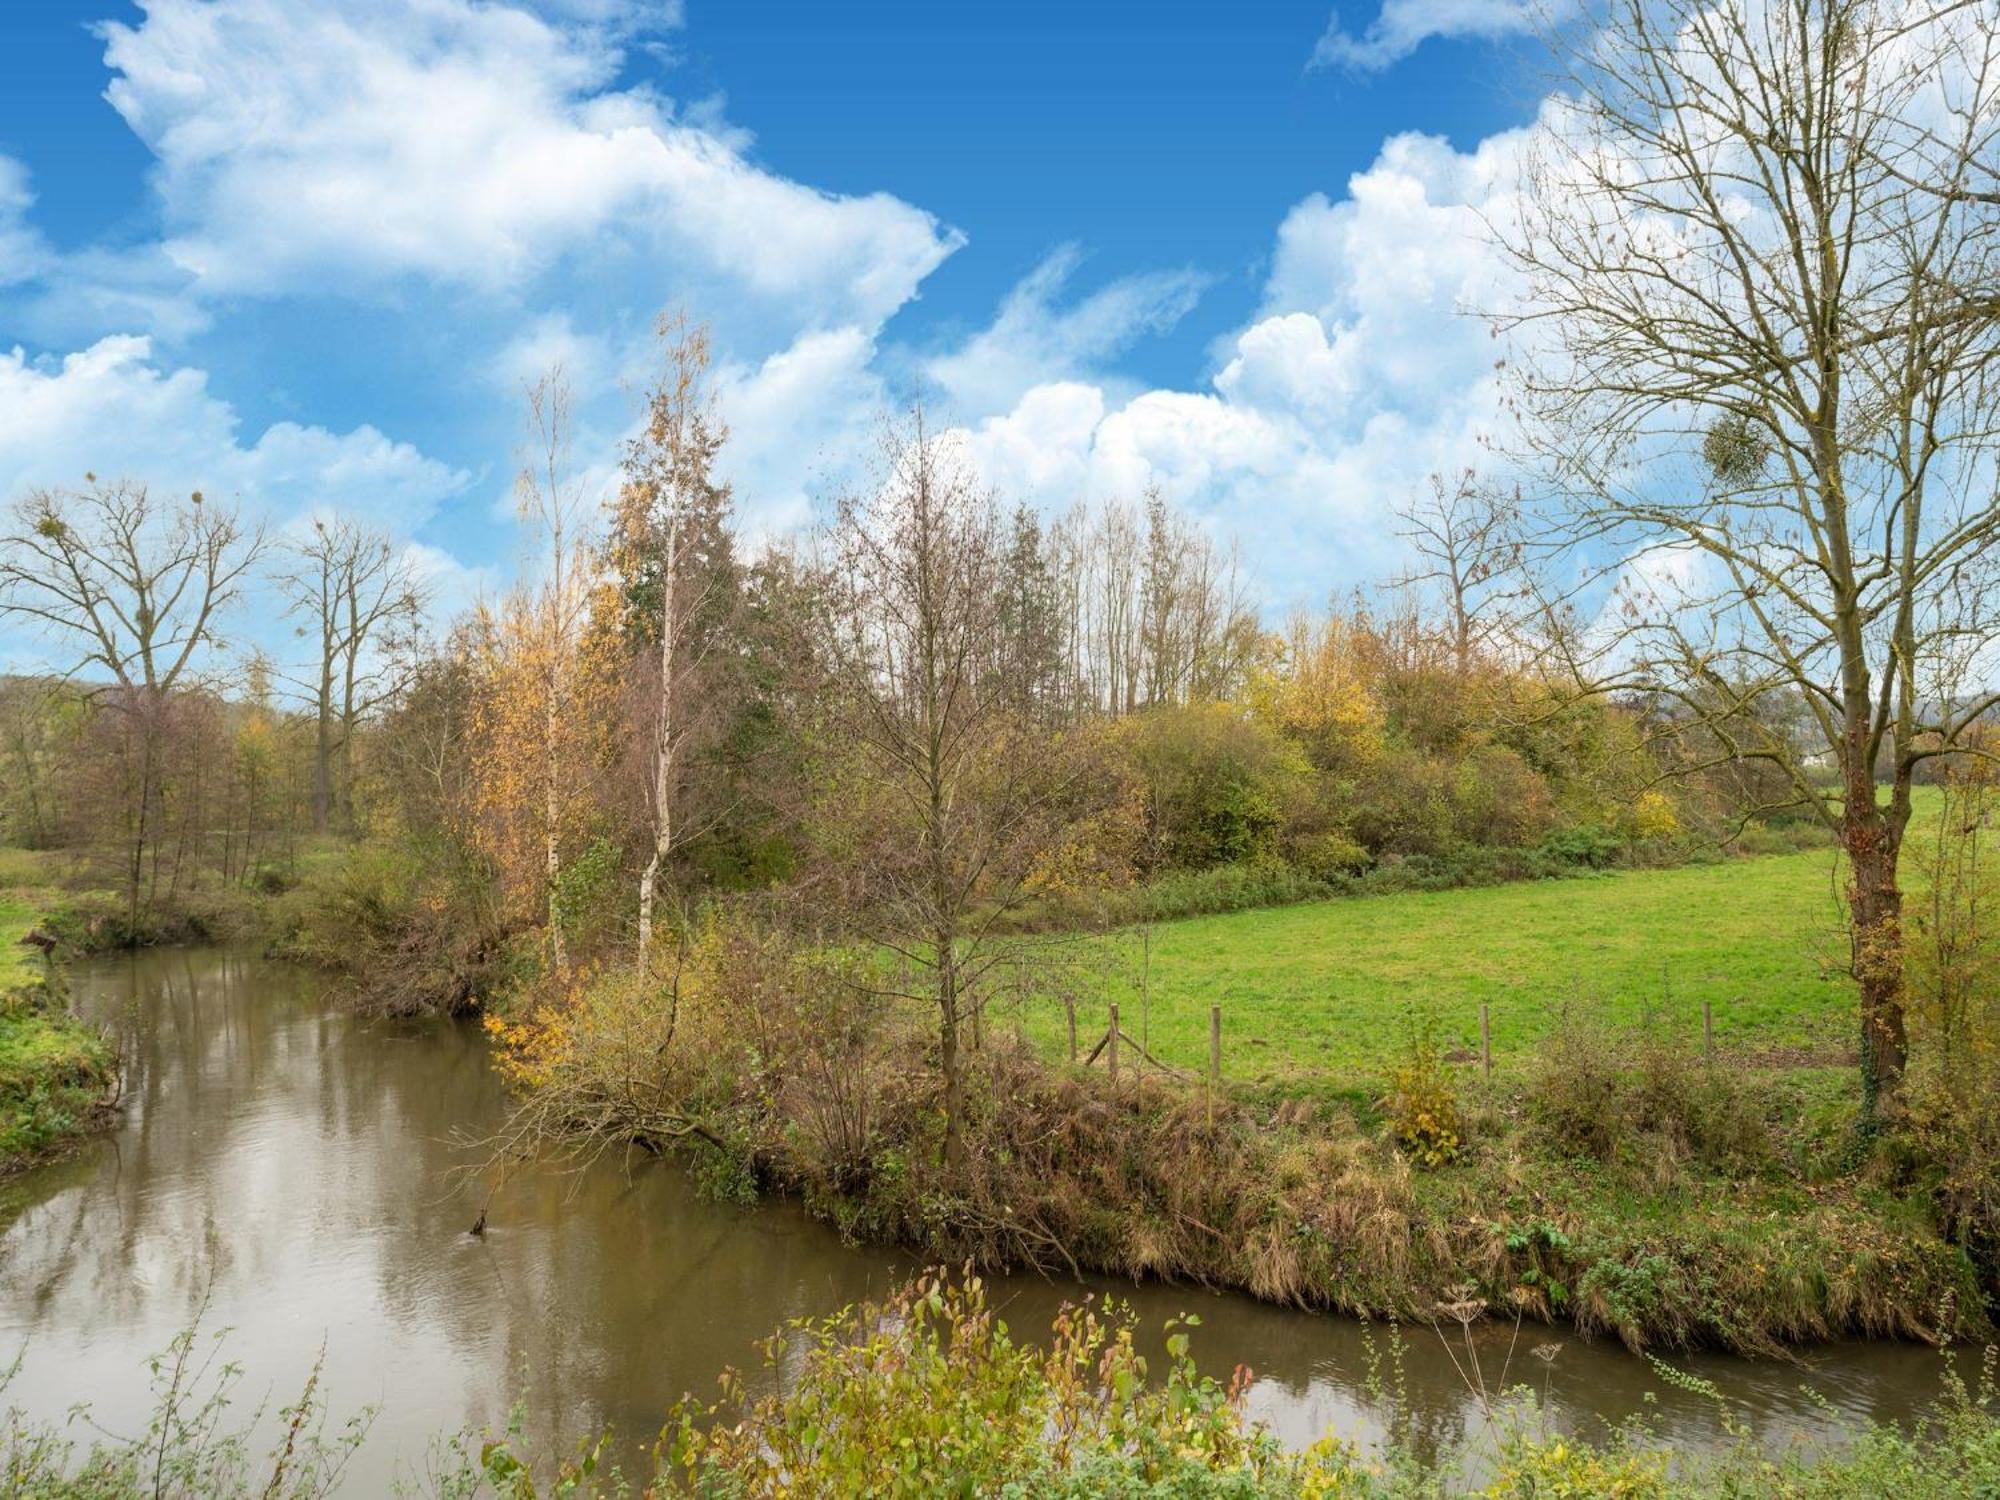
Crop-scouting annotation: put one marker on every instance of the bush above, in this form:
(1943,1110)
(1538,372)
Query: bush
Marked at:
(417,928)
(1632,1095)
(1211,785)
(929,1394)
(1422,1106)
(1586,844)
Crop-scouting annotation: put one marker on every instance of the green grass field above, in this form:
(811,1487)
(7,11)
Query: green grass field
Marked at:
(1323,989)
(24,881)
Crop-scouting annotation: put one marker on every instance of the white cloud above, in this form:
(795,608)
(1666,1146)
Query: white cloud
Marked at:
(1365,370)
(1033,340)
(450,586)
(548,341)
(1404,25)
(799,422)
(1041,451)
(310,147)
(110,410)
(344,149)
(23,253)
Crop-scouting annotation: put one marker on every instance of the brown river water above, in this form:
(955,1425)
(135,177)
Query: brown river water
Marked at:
(285,1170)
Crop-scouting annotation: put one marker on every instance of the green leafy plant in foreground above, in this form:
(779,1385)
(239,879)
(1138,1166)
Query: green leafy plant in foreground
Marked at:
(191,1449)
(931,1394)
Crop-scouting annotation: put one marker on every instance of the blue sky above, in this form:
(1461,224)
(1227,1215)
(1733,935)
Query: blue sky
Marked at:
(306,251)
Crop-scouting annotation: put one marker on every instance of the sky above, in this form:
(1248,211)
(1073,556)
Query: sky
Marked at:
(307,253)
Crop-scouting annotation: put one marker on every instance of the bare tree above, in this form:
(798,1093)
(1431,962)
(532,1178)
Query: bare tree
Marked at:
(1760,323)
(1469,558)
(138,589)
(944,805)
(350,583)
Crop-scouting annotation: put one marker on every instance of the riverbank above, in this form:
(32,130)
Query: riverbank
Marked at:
(1309,1204)
(1625,1185)
(56,1072)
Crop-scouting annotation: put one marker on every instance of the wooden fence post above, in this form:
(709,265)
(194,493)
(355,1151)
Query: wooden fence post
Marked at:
(1070,1006)
(1215,1046)
(1112,1042)
(1708,1030)
(1486,1036)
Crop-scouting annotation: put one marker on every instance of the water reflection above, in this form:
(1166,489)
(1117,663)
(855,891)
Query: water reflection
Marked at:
(291,1169)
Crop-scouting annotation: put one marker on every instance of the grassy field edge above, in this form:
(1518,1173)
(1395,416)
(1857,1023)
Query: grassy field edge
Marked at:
(57,1072)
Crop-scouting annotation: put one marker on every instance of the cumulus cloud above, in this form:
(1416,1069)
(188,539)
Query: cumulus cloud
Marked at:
(1402,26)
(49,293)
(1365,369)
(303,147)
(479,147)
(549,341)
(111,410)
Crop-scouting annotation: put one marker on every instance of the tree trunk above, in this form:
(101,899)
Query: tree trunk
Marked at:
(1875,909)
(551,814)
(663,750)
(139,828)
(323,754)
(552,826)
(954,1092)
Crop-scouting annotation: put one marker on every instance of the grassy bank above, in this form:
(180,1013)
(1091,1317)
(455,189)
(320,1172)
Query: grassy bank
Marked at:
(1620,1183)
(54,1070)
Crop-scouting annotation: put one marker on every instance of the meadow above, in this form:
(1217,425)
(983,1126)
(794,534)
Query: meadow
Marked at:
(1324,989)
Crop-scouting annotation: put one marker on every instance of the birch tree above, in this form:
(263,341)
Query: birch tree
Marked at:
(672,550)
(551,616)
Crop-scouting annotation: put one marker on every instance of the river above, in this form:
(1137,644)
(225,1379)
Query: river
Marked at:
(293,1173)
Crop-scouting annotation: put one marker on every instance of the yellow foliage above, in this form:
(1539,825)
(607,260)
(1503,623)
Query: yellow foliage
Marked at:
(1319,691)
(1422,1104)
(540,730)
(1564,1471)
(1654,816)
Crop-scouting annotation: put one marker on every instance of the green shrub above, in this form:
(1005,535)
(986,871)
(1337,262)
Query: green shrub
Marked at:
(1211,785)
(417,928)
(930,1394)
(1586,844)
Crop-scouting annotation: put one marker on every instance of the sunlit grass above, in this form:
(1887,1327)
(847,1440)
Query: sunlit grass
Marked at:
(1324,987)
